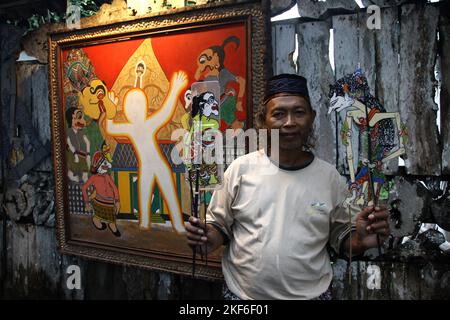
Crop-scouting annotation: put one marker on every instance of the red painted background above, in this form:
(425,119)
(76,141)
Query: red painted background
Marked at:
(176,51)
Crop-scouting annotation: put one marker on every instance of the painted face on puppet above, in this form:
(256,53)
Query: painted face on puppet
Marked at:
(78,121)
(95,91)
(339,103)
(140,69)
(293,116)
(104,166)
(210,105)
(207,65)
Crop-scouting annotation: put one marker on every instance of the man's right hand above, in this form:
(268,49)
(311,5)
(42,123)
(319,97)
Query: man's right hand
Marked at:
(200,235)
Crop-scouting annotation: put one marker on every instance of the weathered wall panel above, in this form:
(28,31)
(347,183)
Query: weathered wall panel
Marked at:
(283,55)
(319,9)
(398,281)
(354,45)
(411,204)
(387,50)
(444,39)
(40,111)
(416,97)
(313,63)
(9,50)
(32,112)
(279,6)
(33,264)
(382,3)
(345,61)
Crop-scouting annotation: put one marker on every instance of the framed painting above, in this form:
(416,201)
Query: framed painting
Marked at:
(118,92)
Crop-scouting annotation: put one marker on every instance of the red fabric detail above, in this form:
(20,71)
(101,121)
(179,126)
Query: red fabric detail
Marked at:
(372,112)
(101,106)
(241,115)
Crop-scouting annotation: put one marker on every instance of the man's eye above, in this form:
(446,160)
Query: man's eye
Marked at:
(202,59)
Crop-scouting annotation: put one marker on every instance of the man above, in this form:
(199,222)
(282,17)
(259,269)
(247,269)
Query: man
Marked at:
(276,227)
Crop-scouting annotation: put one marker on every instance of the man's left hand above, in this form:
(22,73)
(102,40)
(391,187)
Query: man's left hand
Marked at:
(370,222)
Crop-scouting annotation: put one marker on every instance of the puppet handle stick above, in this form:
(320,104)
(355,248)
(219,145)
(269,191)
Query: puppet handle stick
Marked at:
(205,229)
(193,214)
(372,187)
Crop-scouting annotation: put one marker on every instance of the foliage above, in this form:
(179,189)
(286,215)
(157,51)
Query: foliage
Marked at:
(87,8)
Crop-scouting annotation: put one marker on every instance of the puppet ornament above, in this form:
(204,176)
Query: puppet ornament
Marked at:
(203,172)
(371,136)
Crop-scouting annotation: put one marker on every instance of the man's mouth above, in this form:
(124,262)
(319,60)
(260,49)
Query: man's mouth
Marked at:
(289,135)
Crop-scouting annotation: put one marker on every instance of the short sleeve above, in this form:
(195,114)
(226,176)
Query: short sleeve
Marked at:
(219,211)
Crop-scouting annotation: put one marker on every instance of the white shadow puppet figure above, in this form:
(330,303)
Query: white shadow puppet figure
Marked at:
(364,114)
(153,167)
(200,142)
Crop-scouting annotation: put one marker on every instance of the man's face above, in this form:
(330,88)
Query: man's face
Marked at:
(293,116)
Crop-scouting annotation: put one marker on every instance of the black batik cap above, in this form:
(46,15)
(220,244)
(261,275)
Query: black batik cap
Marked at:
(286,83)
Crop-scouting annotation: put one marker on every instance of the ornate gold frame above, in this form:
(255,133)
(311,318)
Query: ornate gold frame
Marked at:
(254,13)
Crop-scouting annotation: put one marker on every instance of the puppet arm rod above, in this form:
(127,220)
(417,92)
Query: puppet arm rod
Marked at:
(349,149)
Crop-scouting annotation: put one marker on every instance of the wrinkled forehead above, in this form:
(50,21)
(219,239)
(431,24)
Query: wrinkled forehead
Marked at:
(285,96)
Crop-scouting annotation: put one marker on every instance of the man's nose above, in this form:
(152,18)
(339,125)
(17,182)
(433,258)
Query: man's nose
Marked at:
(290,120)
